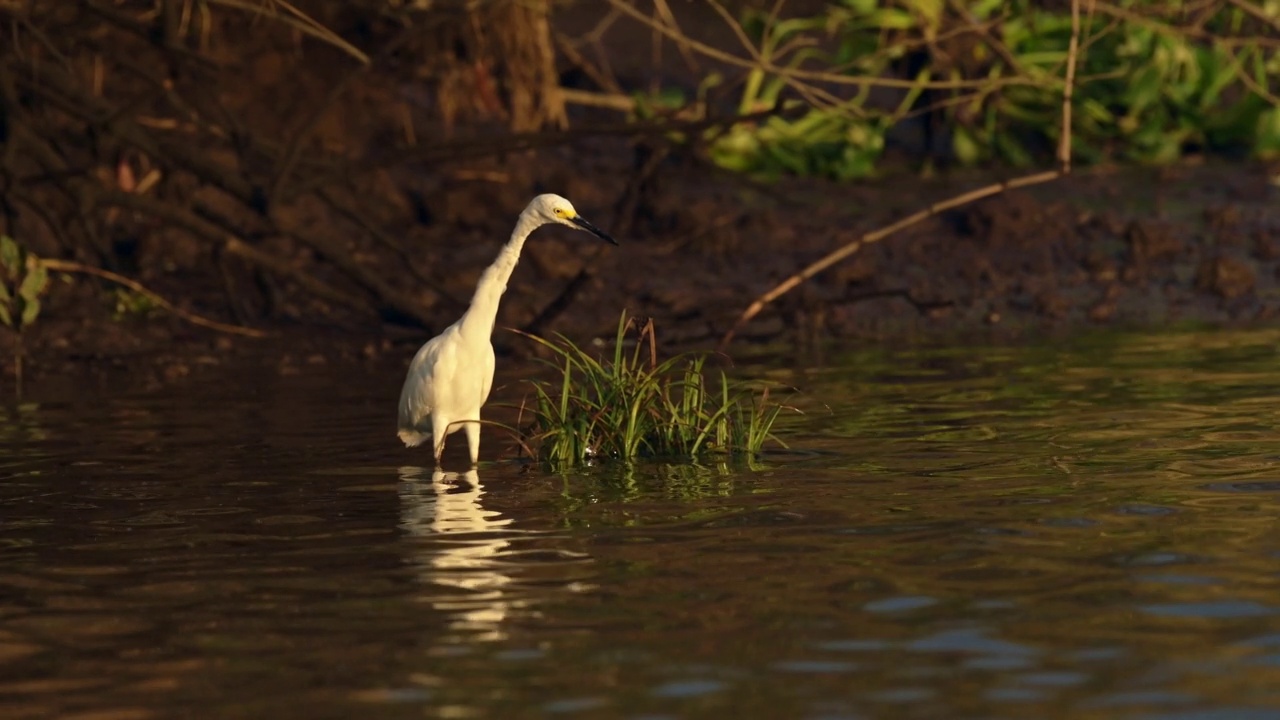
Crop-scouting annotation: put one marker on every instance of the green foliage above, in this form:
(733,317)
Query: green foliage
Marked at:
(632,406)
(821,143)
(129,303)
(1146,92)
(1152,83)
(22,280)
(842,139)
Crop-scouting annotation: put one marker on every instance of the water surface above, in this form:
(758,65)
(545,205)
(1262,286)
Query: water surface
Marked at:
(1089,531)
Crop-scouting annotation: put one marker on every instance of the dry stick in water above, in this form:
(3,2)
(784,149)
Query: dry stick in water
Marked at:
(1064,158)
(67,266)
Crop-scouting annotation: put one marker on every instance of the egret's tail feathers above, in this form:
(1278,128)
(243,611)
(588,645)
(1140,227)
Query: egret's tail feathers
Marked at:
(412,438)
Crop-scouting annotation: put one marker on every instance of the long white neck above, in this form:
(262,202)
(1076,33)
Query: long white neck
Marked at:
(479,319)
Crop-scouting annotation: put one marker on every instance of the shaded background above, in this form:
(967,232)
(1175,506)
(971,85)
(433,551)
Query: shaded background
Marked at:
(345,170)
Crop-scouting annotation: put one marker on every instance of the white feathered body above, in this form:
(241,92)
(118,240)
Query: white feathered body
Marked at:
(448,382)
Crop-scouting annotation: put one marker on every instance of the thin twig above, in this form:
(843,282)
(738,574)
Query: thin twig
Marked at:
(983,31)
(604,80)
(1251,83)
(612,101)
(963,199)
(757,56)
(1064,142)
(299,21)
(67,266)
(1165,28)
(143,30)
(1257,13)
(664,10)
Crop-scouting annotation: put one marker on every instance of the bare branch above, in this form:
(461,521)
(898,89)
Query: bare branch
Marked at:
(67,266)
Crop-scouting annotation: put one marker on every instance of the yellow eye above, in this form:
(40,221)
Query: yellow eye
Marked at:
(559,212)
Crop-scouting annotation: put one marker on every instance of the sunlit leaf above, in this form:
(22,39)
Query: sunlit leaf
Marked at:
(1224,76)
(34,283)
(862,7)
(1267,134)
(785,30)
(30,310)
(929,10)
(1144,88)
(983,9)
(891,19)
(1097,111)
(965,146)
(1045,57)
(10,255)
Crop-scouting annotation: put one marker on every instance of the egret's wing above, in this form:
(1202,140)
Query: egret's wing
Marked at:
(487,363)
(418,396)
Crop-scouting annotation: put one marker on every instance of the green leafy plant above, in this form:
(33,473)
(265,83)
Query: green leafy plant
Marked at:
(23,278)
(839,137)
(632,406)
(1147,92)
(1153,83)
(131,303)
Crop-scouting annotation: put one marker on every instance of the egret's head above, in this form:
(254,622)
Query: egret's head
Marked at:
(551,208)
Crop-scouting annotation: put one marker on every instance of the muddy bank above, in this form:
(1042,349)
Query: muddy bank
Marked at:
(1196,243)
(277,184)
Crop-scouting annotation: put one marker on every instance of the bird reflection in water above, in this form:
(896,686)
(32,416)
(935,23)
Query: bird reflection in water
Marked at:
(461,555)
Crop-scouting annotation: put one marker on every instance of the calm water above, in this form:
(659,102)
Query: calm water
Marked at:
(1090,531)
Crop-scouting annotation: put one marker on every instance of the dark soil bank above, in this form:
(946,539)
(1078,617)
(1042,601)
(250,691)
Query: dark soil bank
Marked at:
(1134,247)
(266,181)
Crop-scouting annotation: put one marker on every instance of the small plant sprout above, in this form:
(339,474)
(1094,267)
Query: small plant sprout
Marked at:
(22,280)
(632,406)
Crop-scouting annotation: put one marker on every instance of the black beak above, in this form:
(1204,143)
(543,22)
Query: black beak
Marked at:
(577,220)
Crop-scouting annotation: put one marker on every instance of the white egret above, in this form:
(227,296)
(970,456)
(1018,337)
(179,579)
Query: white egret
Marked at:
(450,377)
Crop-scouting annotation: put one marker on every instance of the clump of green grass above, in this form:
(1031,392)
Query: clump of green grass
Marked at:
(632,406)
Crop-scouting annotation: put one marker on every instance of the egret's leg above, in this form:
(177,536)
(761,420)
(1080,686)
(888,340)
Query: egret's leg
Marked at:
(439,431)
(473,442)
